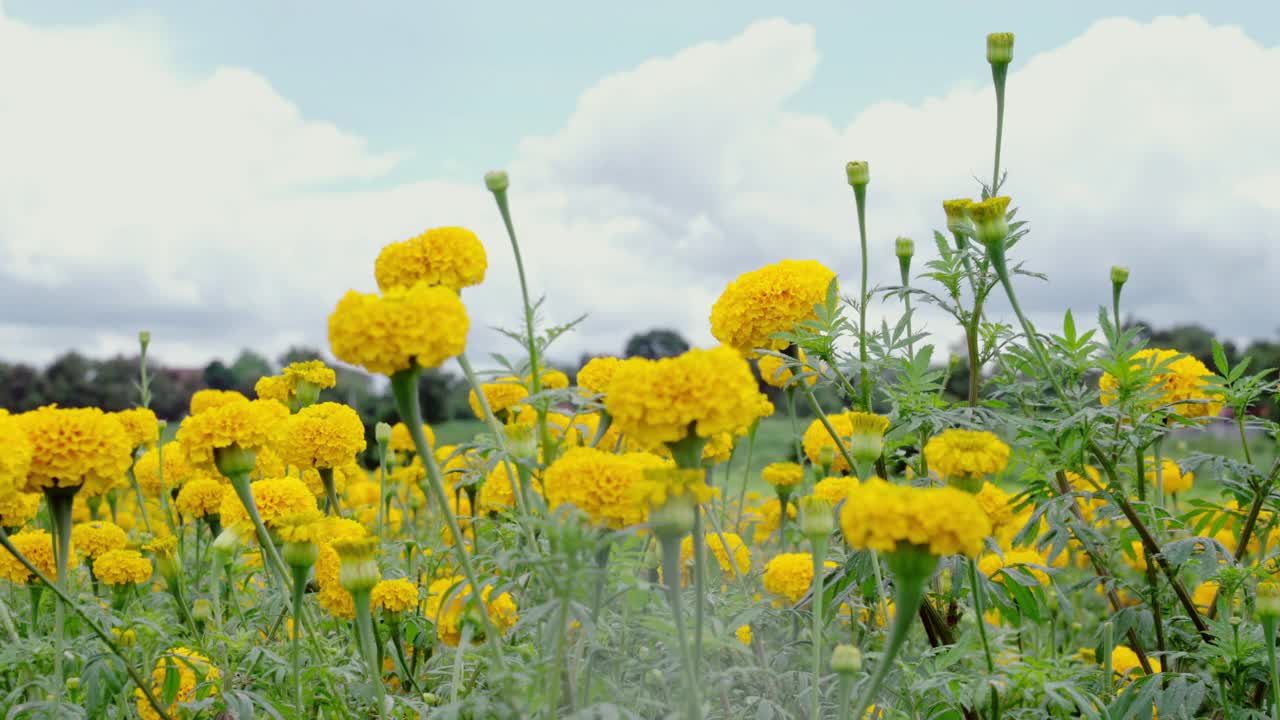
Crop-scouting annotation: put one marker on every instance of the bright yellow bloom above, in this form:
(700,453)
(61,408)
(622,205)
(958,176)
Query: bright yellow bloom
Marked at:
(307,527)
(1125,661)
(248,425)
(719,449)
(273,387)
(498,493)
(966,454)
(313,372)
(743,633)
(846,424)
(122,567)
(502,395)
(740,564)
(1171,477)
(944,521)
(362,493)
(197,679)
(595,376)
(37,547)
(1183,383)
(789,575)
(200,497)
(208,399)
(767,518)
(451,257)
(1204,595)
(783,474)
(94,539)
(834,489)
(140,425)
(770,300)
(600,484)
(276,498)
(450,605)
(996,503)
(421,326)
(15,455)
(395,596)
(702,391)
(324,435)
(75,447)
(660,484)
(402,442)
(991,564)
(551,380)
(18,508)
(773,370)
(176,469)
(332,596)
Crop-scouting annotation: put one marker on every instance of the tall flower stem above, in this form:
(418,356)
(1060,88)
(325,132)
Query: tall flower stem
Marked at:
(1269,630)
(331,506)
(700,581)
(819,548)
(1157,617)
(999,73)
(790,393)
(142,503)
(368,644)
(912,571)
(860,199)
(299,589)
(982,633)
(240,483)
(404,385)
(60,501)
(826,423)
(746,478)
(597,602)
(671,573)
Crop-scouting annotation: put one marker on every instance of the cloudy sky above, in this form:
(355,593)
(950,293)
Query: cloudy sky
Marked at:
(222,172)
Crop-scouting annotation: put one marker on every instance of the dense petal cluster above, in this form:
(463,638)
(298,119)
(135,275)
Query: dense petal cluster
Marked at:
(817,438)
(312,372)
(332,596)
(248,424)
(420,326)
(140,425)
(122,567)
(1181,382)
(201,497)
(595,376)
(600,484)
(276,498)
(37,547)
(502,395)
(1030,561)
(15,454)
(450,605)
(789,575)
(18,508)
(75,447)
(995,503)
(834,489)
(208,399)
(97,538)
(402,441)
(733,555)
(770,300)
(451,257)
(395,596)
(783,474)
(324,435)
(966,454)
(1172,477)
(195,675)
(774,370)
(944,521)
(703,392)
(176,469)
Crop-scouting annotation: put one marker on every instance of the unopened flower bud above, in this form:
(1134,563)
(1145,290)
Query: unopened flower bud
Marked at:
(234,460)
(522,442)
(300,555)
(958,213)
(817,518)
(73,683)
(1269,599)
(358,571)
(826,457)
(989,221)
(858,173)
(866,443)
(144,338)
(306,393)
(382,433)
(1119,275)
(225,545)
(674,519)
(846,659)
(202,610)
(1000,48)
(497,181)
(904,247)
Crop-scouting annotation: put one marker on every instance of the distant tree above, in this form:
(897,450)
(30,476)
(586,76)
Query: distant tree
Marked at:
(299,353)
(219,377)
(20,388)
(434,396)
(116,382)
(655,344)
(248,367)
(68,381)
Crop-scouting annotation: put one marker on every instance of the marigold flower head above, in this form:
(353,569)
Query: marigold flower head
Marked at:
(990,224)
(734,560)
(600,484)
(502,395)
(122,567)
(197,678)
(37,547)
(15,454)
(313,372)
(395,596)
(774,370)
(1181,382)
(420,326)
(551,380)
(595,376)
(358,569)
(834,489)
(1000,48)
(701,392)
(200,497)
(783,474)
(273,387)
(140,425)
(308,526)
(333,597)
(743,633)
(1171,477)
(451,257)
(719,449)
(996,504)
(960,455)
(75,447)
(658,485)
(1124,661)
(324,435)
(208,399)
(767,518)
(1028,560)
(957,211)
(773,299)
(18,508)
(276,498)
(247,425)
(402,441)
(944,521)
(97,538)
(177,470)
(498,493)
(817,437)
(789,575)
(450,603)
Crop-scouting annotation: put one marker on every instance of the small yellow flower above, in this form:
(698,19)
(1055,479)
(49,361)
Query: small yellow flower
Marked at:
(743,633)
(451,257)
(122,567)
(503,395)
(783,475)
(200,497)
(966,455)
(395,596)
(197,679)
(1029,560)
(93,539)
(789,575)
(387,334)
(773,299)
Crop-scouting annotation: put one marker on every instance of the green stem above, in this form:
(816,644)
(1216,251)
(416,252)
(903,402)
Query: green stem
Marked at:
(368,644)
(999,71)
(978,610)
(331,506)
(142,503)
(299,589)
(826,423)
(790,393)
(846,696)
(819,547)
(60,502)
(597,602)
(1269,629)
(860,198)
(910,593)
(742,490)
(700,582)
(671,572)
(271,557)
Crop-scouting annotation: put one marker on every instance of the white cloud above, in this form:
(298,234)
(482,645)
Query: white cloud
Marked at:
(208,208)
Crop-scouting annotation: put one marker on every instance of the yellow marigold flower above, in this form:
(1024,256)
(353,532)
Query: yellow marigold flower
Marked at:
(332,596)
(502,395)
(1182,383)
(1172,477)
(595,376)
(94,539)
(767,518)
(324,435)
(176,469)
(996,504)
(834,489)
(600,484)
(957,211)
(743,633)
(268,464)
(36,546)
(817,438)
(314,372)
(498,493)
(18,508)
(1125,661)
(248,425)
(75,447)
(944,521)
(1028,560)
(421,326)
(770,300)
(789,575)
(308,526)
(311,478)
(208,399)
(657,401)
(451,257)
(966,454)
(122,567)
(1204,595)
(990,219)
(402,441)
(197,679)
(273,387)
(449,603)
(783,474)
(276,498)
(362,493)
(660,484)
(551,380)
(740,564)
(773,370)
(15,454)
(140,425)
(395,596)
(719,449)
(200,497)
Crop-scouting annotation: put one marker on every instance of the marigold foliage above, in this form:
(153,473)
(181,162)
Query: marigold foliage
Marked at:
(75,447)
(122,567)
(451,257)
(770,300)
(944,521)
(421,326)
(324,435)
(1181,383)
(966,454)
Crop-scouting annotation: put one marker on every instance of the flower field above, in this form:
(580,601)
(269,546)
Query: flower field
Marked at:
(654,538)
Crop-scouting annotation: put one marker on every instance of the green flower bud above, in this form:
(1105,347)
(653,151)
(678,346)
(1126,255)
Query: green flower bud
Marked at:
(1000,48)
(358,571)
(858,173)
(497,181)
(306,393)
(202,610)
(989,221)
(300,555)
(817,518)
(904,247)
(1269,599)
(674,519)
(73,683)
(225,545)
(144,338)
(1119,275)
(382,433)
(522,442)
(234,460)
(846,660)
